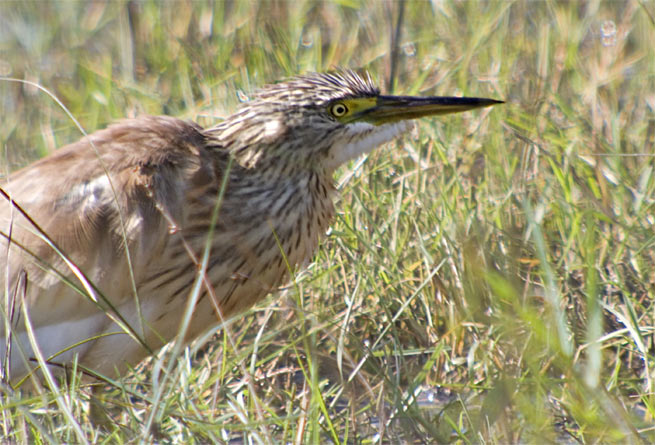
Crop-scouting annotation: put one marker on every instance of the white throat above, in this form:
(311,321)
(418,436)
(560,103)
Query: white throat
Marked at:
(362,138)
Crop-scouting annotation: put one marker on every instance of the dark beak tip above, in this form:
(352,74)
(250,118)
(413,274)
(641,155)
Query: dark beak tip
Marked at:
(491,102)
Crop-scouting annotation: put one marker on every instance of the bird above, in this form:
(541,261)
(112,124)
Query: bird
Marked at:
(108,241)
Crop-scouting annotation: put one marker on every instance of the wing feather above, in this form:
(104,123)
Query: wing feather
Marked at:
(119,187)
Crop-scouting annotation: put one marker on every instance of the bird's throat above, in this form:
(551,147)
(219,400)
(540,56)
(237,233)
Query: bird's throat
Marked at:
(362,138)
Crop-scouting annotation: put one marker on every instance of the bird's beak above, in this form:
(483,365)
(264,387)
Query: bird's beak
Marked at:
(396,108)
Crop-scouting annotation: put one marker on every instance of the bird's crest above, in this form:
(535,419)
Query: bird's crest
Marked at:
(324,86)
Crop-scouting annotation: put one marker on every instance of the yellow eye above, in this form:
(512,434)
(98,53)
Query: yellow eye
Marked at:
(338,109)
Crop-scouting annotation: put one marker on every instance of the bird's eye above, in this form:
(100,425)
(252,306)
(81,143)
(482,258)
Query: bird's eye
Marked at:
(338,109)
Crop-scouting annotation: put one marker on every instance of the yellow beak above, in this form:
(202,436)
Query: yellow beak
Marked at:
(396,108)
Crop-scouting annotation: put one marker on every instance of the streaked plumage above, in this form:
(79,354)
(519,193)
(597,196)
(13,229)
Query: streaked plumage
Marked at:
(132,207)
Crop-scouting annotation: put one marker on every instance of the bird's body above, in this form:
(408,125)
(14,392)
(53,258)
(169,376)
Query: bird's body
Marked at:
(168,182)
(130,211)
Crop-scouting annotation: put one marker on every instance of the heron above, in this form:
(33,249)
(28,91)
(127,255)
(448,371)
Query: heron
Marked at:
(107,242)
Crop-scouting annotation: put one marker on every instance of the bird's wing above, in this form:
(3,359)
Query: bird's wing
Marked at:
(122,186)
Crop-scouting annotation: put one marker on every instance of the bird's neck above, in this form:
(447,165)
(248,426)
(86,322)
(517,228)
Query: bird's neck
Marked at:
(295,210)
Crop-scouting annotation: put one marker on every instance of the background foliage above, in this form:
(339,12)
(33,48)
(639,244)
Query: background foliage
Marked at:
(489,278)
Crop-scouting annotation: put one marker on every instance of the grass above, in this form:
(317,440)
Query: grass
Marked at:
(488,279)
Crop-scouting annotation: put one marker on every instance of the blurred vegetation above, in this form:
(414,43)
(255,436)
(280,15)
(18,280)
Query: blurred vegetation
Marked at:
(488,279)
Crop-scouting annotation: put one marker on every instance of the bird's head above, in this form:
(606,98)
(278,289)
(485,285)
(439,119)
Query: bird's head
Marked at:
(320,121)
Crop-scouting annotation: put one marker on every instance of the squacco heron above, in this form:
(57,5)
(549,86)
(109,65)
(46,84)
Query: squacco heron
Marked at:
(102,241)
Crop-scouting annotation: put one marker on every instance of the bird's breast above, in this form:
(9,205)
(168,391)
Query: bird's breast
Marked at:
(259,233)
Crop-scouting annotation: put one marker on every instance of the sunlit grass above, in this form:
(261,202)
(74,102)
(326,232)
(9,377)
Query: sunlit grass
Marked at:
(488,278)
